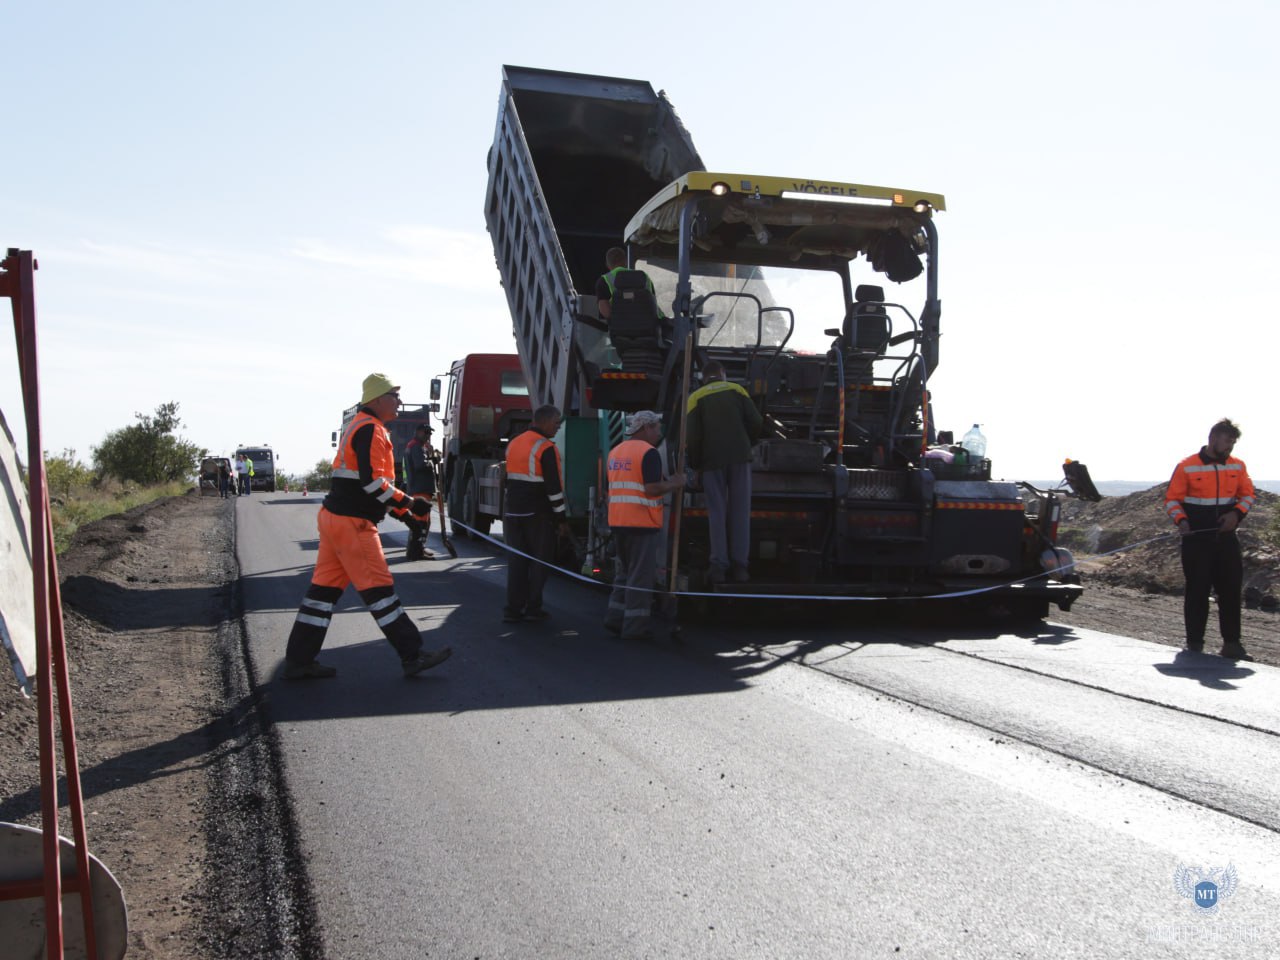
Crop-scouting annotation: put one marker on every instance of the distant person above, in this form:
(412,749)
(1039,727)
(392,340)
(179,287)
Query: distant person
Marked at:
(224,478)
(636,489)
(535,511)
(242,473)
(723,424)
(1209,494)
(420,479)
(363,489)
(615,259)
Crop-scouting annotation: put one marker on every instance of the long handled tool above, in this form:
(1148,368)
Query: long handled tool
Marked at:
(677,501)
(444,531)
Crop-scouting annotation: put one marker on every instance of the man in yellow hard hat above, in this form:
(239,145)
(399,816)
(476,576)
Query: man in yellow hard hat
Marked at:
(363,489)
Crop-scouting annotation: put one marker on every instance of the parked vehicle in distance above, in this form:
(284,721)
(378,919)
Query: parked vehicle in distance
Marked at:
(208,480)
(264,467)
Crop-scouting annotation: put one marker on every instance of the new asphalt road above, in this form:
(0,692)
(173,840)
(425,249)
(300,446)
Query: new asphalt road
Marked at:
(784,783)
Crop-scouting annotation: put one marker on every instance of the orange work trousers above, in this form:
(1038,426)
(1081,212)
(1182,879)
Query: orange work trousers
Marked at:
(350,552)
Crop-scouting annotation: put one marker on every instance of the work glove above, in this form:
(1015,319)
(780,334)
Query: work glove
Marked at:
(420,507)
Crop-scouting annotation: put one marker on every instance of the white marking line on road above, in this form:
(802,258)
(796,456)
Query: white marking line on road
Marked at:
(1190,833)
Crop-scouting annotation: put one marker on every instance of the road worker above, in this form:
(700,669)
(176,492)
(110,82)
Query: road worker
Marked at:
(419,478)
(534,514)
(723,423)
(362,491)
(615,259)
(1209,494)
(636,489)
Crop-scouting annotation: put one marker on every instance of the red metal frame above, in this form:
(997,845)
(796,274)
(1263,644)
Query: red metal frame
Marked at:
(17,281)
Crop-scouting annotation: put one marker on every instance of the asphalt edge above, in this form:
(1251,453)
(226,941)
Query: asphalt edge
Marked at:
(259,902)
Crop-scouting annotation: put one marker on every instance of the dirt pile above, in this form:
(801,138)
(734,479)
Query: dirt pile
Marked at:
(1128,542)
(182,799)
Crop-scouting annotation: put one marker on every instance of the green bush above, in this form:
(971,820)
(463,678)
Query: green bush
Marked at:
(104,500)
(320,476)
(65,475)
(148,452)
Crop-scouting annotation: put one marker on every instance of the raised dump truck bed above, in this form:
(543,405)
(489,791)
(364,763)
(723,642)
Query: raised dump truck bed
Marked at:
(574,157)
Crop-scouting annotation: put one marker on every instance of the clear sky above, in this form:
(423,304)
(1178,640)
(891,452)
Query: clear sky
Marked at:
(247,207)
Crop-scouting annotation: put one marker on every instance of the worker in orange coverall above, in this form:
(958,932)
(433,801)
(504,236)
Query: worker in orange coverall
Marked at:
(362,491)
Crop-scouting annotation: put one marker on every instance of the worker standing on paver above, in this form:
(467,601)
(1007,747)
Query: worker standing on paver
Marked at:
(723,423)
(1209,494)
(363,488)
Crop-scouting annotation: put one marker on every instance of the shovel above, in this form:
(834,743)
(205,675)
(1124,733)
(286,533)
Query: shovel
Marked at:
(444,532)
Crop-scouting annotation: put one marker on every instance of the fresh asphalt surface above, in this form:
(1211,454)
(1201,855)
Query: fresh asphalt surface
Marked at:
(780,785)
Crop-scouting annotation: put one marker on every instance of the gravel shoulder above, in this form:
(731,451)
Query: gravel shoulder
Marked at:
(183,801)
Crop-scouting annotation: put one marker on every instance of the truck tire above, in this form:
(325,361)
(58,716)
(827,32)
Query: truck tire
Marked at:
(471,515)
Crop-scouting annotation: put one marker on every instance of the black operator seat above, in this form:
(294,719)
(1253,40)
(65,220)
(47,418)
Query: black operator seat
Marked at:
(867,327)
(634,324)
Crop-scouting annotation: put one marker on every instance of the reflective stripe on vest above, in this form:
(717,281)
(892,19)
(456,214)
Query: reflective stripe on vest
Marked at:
(382,484)
(1208,489)
(629,506)
(524,457)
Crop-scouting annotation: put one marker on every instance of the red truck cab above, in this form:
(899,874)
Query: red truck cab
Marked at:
(488,404)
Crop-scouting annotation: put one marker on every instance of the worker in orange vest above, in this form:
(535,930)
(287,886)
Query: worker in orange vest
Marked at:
(636,489)
(534,513)
(1208,495)
(419,477)
(362,490)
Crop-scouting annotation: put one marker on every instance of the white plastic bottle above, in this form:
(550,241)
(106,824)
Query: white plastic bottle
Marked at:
(975,443)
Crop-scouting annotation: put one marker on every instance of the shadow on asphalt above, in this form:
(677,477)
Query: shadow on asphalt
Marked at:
(571,659)
(1206,669)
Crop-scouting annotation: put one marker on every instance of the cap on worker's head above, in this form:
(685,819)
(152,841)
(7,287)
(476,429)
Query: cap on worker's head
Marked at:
(641,419)
(375,385)
(422,428)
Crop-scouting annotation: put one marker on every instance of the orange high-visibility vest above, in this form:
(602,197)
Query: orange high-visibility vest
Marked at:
(1201,492)
(629,506)
(382,459)
(524,457)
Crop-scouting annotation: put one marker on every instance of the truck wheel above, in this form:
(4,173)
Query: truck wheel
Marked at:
(471,515)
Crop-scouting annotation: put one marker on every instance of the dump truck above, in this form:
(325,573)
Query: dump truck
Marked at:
(487,404)
(856,492)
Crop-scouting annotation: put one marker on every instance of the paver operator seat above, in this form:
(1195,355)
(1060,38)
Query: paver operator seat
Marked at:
(634,325)
(867,326)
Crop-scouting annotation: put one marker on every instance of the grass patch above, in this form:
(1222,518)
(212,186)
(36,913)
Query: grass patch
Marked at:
(84,504)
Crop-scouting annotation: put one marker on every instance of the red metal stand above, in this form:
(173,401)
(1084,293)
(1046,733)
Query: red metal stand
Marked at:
(17,281)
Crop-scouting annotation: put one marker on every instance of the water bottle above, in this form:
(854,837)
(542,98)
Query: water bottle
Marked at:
(975,443)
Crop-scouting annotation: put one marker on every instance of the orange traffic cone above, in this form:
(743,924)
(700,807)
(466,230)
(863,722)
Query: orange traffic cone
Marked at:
(304,488)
